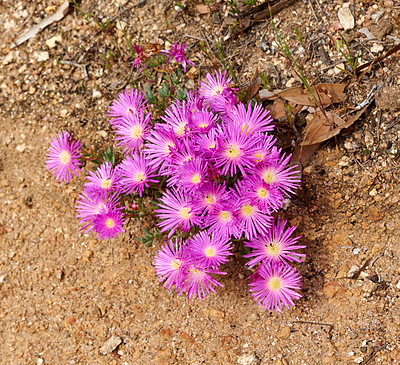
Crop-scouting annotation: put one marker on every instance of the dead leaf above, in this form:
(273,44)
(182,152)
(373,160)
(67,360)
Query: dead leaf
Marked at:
(61,12)
(278,109)
(328,93)
(302,155)
(252,88)
(203,9)
(319,129)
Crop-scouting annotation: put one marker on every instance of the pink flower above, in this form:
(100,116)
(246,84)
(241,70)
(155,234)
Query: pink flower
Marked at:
(63,157)
(179,54)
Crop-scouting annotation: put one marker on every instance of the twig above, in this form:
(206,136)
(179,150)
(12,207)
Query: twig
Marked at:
(368,99)
(373,354)
(194,37)
(312,8)
(72,63)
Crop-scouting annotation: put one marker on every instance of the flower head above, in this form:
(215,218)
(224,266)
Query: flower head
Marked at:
(104,179)
(274,285)
(235,150)
(170,262)
(63,157)
(109,223)
(218,92)
(140,57)
(179,54)
(176,211)
(198,281)
(223,220)
(193,174)
(129,102)
(135,174)
(251,120)
(177,116)
(276,246)
(210,196)
(132,131)
(210,250)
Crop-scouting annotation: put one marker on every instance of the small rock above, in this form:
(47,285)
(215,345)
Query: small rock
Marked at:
(96,94)
(41,56)
(21,147)
(377,15)
(398,285)
(352,270)
(111,344)
(331,288)
(377,48)
(284,333)
(51,43)
(346,18)
(247,359)
(40,361)
(9,58)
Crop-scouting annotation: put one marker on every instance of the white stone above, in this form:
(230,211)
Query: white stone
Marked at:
(9,58)
(96,94)
(346,18)
(41,56)
(21,147)
(398,285)
(51,43)
(246,359)
(377,48)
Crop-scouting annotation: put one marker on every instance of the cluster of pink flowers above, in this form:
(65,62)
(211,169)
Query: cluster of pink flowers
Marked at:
(225,178)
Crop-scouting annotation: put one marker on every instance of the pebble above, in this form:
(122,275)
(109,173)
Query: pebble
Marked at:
(21,147)
(41,56)
(331,288)
(111,344)
(51,43)
(284,333)
(377,48)
(96,94)
(346,18)
(247,359)
(398,285)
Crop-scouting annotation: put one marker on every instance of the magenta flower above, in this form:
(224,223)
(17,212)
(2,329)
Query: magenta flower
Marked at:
(177,116)
(251,120)
(235,150)
(132,131)
(276,246)
(176,211)
(109,223)
(268,198)
(210,250)
(207,144)
(217,92)
(202,121)
(63,157)
(104,179)
(263,149)
(193,174)
(198,281)
(170,262)
(179,54)
(140,57)
(129,102)
(274,285)
(223,220)
(275,174)
(89,207)
(210,196)
(160,147)
(135,174)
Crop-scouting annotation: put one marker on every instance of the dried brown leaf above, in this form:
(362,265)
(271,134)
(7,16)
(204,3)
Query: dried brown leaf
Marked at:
(328,93)
(203,9)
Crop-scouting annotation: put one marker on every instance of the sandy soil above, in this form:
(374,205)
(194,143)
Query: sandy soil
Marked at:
(64,294)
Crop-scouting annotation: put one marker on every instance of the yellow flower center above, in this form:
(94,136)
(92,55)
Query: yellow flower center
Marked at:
(273,249)
(136,132)
(176,264)
(195,272)
(262,192)
(168,145)
(185,213)
(247,209)
(65,157)
(105,183)
(210,199)
(140,176)
(232,151)
(196,179)
(258,157)
(275,283)
(130,111)
(225,215)
(110,223)
(217,90)
(269,176)
(211,146)
(210,252)
(180,129)
(203,125)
